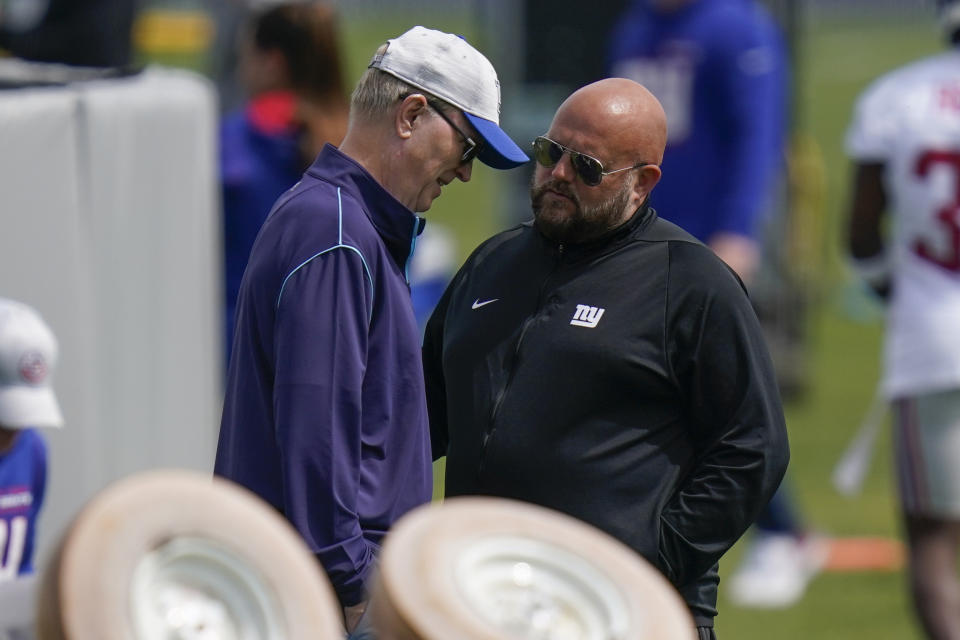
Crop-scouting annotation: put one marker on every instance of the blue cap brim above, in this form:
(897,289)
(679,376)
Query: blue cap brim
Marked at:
(499,151)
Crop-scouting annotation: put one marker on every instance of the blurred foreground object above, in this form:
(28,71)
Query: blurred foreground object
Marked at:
(174,554)
(476,568)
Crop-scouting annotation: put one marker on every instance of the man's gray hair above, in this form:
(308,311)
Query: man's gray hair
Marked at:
(378,91)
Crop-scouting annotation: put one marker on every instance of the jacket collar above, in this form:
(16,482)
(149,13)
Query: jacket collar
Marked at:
(394,222)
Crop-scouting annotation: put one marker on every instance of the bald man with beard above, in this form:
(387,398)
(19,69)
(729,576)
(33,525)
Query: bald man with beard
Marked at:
(602,362)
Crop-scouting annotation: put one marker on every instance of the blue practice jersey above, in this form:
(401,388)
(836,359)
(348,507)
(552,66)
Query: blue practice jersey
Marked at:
(719,69)
(23,476)
(325,414)
(256,166)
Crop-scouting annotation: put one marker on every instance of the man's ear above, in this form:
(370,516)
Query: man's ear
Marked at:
(412,107)
(647,180)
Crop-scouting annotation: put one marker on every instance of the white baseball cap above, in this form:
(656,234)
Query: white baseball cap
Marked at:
(446,66)
(28,355)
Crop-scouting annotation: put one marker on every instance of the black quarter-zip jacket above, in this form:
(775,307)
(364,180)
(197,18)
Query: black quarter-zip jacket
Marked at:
(624,382)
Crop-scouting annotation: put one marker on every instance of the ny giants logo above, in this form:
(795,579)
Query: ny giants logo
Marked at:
(586,316)
(33,367)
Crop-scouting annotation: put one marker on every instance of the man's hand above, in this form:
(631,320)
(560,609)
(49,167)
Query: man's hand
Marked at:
(352,615)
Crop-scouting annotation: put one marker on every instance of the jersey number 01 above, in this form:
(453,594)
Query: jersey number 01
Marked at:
(13,537)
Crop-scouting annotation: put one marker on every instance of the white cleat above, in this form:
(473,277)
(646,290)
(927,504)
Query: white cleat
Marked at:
(776,570)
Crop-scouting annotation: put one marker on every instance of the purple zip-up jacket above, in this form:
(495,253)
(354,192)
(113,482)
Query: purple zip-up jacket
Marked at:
(325,412)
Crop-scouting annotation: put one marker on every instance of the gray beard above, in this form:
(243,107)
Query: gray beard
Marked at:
(584,224)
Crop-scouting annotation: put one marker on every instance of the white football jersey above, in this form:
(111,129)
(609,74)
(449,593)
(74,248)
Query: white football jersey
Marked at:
(909,120)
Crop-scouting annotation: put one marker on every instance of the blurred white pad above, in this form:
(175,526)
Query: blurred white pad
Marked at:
(174,554)
(478,568)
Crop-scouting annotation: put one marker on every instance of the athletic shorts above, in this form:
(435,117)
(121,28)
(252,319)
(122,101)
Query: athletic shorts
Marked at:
(927,450)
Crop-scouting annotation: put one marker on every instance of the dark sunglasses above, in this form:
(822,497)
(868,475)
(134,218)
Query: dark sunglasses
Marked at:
(472,148)
(548,153)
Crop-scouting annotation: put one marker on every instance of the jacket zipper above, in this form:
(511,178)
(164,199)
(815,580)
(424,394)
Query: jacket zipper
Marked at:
(488,434)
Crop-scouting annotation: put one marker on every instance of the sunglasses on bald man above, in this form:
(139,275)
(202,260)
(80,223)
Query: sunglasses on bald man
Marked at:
(591,171)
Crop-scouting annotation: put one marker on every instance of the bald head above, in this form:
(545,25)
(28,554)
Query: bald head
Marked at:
(620,119)
(616,123)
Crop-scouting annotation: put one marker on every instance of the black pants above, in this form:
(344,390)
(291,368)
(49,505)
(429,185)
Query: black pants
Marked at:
(706,633)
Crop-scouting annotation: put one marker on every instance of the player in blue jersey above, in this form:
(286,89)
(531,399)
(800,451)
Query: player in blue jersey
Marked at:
(28,353)
(719,68)
(290,66)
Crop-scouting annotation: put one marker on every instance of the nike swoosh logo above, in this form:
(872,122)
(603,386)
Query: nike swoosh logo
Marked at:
(477,304)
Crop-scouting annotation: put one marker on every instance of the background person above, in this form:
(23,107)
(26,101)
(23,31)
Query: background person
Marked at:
(28,357)
(905,142)
(324,415)
(720,69)
(290,66)
(602,362)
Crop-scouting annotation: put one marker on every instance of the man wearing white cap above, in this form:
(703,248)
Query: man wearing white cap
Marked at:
(324,415)
(28,354)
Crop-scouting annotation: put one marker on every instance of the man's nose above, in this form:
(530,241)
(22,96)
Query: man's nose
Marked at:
(563,170)
(465,171)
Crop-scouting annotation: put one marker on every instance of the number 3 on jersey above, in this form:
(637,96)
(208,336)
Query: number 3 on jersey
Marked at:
(948,216)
